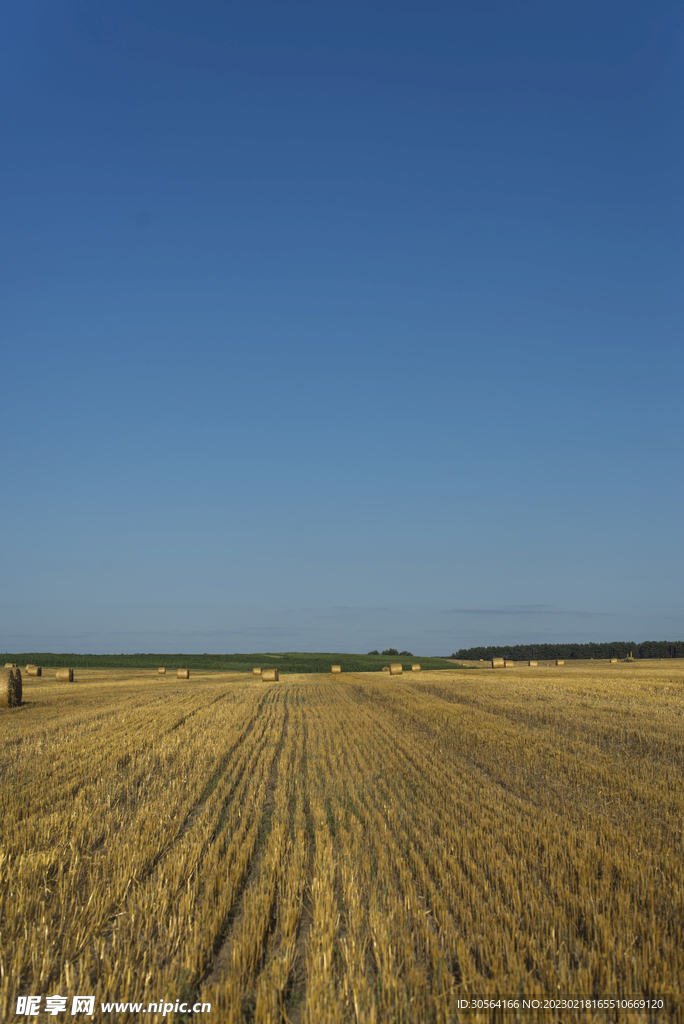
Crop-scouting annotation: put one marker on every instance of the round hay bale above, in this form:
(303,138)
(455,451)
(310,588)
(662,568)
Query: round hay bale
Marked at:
(385,668)
(161,671)
(415,668)
(560,662)
(509,664)
(497,663)
(34,670)
(613,661)
(270,675)
(10,688)
(65,675)
(532,664)
(335,669)
(396,668)
(256,671)
(183,673)
(6,688)
(10,664)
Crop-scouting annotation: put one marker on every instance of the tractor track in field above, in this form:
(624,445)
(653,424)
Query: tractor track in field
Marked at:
(223,954)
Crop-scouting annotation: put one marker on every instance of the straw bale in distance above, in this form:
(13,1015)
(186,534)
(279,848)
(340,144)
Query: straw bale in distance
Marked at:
(497,663)
(335,669)
(34,670)
(532,664)
(256,671)
(385,668)
(65,675)
(560,662)
(509,664)
(161,671)
(613,661)
(415,668)
(10,688)
(396,669)
(10,664)
(183,673)
(270,675)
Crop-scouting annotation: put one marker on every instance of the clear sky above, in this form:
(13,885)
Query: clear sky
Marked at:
(334,326)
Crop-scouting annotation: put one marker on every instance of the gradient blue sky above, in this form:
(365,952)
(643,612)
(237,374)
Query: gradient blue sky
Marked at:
(330,326)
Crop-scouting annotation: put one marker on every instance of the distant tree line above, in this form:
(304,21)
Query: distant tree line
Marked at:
(547,652)
(393,651)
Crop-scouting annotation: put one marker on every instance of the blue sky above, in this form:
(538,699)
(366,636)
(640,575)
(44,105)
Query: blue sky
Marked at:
(335,326)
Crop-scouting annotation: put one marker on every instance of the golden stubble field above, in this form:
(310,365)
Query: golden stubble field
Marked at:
(348,848)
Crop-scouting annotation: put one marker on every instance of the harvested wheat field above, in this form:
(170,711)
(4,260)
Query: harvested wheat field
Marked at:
(361,849)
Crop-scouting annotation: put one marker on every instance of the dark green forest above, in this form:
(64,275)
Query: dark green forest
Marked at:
(547,652)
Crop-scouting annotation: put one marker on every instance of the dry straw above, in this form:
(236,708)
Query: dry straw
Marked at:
(270,675)
(385,668)
(613,661)
(183,673)
(335,669)
(396,669)
(161,671)
(256,671)
(509,664)
(10,664)
(497,663)
(560,662)
(415,668)
(34,670)
(10,688)
(532,664)
(65,675)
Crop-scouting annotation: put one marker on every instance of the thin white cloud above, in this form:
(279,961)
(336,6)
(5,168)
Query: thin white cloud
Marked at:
(525,609)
